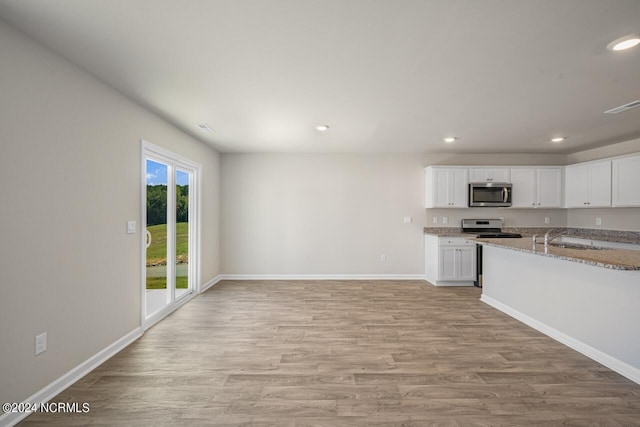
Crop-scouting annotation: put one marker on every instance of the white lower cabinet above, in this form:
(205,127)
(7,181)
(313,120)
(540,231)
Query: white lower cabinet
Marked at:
(457,263)
(450,261)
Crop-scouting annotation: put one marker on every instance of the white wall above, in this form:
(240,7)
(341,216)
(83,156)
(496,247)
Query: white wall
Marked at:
(321,214)
(70,173)
(493,159)
(619,149)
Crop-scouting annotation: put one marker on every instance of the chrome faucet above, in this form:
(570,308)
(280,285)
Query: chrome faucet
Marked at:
(548,237)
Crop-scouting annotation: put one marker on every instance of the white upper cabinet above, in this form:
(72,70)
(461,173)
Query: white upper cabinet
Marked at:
(626,181)
(523,192)
(489,175)
(446,187)
(588,185)
(536,187)
(549,187)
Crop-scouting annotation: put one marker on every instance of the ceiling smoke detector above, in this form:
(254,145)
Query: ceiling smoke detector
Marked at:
(625,107)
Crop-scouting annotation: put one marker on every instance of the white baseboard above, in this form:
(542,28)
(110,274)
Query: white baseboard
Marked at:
(322,276)
(605,359)
(56,387)
(210,283)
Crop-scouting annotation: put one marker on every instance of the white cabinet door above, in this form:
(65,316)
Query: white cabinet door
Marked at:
(448,263)
(457,263)
(524,188)
(576,186)
(489,175)
(588,185)
(537,187)
(549,187)
(441,188)
(626,181)
(466,258)
(459,187)
(446,187)
(599,184)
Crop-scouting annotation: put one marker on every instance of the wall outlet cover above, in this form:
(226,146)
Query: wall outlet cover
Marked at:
(407,220)
(435,220)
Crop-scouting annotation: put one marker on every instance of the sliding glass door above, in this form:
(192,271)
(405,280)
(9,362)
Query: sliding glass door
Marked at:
(183,183)
(170,206)
(157,293)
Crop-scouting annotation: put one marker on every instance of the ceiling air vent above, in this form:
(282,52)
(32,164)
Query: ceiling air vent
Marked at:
(205,127)
(624,107)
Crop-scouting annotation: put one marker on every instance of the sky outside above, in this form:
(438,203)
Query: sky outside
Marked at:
(157,174)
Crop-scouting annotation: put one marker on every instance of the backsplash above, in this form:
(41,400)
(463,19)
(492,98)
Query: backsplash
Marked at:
(512,217)
(622,219)
(627,219)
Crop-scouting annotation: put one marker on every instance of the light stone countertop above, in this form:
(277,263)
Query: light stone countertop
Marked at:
(618,259)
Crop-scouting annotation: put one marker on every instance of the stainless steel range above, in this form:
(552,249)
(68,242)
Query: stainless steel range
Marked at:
(487,229)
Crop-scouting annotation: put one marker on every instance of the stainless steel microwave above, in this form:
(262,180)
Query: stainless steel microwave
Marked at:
(490,194)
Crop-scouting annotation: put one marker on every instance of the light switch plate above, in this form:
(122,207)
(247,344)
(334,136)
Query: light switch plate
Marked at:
(598,221)
(547,220)
(131,227)
(435,219)
(407,220)
(41,343)
(445,220)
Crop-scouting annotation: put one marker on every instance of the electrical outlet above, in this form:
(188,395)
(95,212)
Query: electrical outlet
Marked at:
(445,220)
(547,220)
(131,227)
(383,258)
(41,343)
(435,219)
(598,221)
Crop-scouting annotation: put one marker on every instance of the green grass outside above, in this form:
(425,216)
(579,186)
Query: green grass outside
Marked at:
(161,282)
(157,253)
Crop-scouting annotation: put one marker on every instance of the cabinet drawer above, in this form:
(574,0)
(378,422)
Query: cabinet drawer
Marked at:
(455,241)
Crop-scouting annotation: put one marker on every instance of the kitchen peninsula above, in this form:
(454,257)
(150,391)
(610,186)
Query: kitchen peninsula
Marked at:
(585,298)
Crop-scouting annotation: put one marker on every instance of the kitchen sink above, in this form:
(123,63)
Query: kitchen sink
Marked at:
(576,246)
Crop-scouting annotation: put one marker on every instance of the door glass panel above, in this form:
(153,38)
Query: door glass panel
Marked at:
(182,233)
(157,292)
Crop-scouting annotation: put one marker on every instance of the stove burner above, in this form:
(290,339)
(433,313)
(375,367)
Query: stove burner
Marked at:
(487,229)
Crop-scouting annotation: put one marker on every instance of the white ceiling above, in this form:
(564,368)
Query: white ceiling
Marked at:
(388,76)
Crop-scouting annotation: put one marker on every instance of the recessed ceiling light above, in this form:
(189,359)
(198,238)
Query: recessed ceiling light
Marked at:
(450,139)
(625,42)
(322,128)
(558,139)
(205,127)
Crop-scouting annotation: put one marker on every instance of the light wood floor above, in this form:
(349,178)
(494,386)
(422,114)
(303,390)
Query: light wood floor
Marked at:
(347,353)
